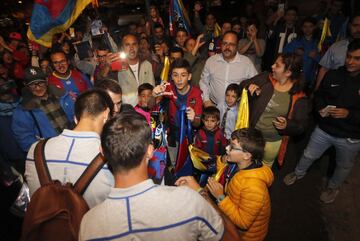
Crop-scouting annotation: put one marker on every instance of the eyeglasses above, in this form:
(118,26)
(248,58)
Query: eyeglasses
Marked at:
(37,84)
(59,62)
(231,148)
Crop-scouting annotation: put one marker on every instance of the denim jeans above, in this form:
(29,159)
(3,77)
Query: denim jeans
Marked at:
(319,142)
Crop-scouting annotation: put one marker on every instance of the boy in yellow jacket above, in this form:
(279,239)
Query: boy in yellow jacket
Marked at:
(246,199)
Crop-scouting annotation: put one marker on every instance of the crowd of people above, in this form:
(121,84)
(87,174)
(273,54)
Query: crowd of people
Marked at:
(116,97)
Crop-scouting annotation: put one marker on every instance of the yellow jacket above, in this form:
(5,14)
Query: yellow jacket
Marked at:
(247,202)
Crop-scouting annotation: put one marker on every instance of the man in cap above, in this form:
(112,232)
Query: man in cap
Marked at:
(43,112)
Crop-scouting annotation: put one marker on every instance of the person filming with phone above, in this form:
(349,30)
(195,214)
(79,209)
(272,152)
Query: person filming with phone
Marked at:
(278,105)
(132,71)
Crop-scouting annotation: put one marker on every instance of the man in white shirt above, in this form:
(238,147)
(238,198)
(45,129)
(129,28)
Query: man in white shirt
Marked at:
(223,69)
(68,154)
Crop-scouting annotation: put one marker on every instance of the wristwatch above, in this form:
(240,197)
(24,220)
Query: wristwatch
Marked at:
(220,198)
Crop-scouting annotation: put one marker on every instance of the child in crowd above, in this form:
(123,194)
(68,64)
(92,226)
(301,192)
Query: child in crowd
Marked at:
(144,100)
(210,137)
(229,109)
(246,199)
(185,99)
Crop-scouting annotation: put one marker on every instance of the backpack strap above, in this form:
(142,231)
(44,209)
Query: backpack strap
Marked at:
(40,163)
(89,174)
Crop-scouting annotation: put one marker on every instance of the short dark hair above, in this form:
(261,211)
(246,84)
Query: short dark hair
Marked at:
(145,86)
(292,8)
(179,64)
(292,63)
(211,111)
(158,25)
(176,49)
(92,103)
(354,45)
(102,47)
(181,30)
(233,87)
(231,32)
(109,85)
(58,51)
(252,141)
(125,140)
(309,20)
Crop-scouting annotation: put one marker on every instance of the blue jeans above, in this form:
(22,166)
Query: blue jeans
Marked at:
(319,142)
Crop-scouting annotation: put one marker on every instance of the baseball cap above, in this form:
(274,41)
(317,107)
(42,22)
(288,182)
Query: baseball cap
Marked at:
(34,74)
(15,35)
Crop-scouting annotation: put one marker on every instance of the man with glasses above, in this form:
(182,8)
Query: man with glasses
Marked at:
(45,111)
(103,67)
(70,80)
(223,69)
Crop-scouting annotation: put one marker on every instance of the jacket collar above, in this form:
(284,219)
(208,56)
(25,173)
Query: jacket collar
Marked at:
(30,102)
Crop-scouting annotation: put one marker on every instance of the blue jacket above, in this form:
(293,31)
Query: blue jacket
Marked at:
(23,125)
(309,64)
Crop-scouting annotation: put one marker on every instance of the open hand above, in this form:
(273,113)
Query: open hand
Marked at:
(215,188)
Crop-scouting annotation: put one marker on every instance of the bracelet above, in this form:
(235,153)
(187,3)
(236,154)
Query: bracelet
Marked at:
(220,198)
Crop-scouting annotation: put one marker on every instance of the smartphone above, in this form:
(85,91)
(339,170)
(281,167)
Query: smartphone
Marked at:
(120,64)
(325,111)
(329,107)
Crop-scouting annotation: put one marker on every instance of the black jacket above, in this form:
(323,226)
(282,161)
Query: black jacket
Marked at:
(340,89)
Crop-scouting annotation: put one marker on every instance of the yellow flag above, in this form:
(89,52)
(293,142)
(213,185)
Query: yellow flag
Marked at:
(220,169)
(243,112)
(164,76)
(325,33)
(217,30)
(198,157)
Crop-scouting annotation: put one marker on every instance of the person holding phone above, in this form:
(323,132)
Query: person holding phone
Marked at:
(278,105)
(137,72)
(338,103)
(181,94)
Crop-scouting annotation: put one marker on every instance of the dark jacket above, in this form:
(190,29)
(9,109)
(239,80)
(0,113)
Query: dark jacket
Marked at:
(298,111)
(24,127)
(340,89)
(298,120)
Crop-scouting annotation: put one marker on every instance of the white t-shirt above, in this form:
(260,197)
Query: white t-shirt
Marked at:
(67,156)
(135,69)
(150,212)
